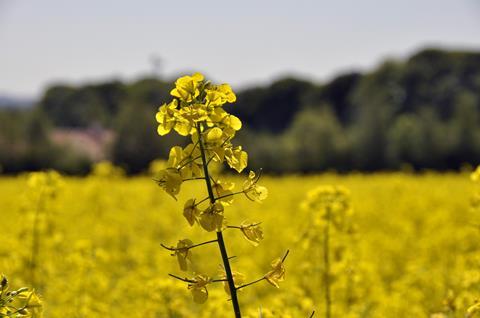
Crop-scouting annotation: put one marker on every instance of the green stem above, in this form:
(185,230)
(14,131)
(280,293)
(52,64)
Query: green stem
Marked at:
(243,227)
(220,197)
(221,243)
(251,283)
(187,163)
(326,259)
(173,249)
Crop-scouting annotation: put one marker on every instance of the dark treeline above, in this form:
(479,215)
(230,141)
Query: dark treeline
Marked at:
(422,113)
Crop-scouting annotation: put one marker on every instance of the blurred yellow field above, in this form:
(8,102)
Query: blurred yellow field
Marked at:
(412,249)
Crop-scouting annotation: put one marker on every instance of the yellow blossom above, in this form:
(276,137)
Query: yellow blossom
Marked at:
(236,158)
(252,190)
(223,191)
(191,211)
(183,254)
(252,232)
(170,180)
(212,218)
(198,288)
(186,87)
(277,274)
(166,117)
(238,280)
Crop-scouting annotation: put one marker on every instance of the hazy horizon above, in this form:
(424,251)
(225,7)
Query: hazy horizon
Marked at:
(245,44)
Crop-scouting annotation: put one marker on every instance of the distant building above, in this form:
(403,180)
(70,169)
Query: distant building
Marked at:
(94,142)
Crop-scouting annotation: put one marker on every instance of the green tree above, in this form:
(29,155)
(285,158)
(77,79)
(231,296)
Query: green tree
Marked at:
(137,143)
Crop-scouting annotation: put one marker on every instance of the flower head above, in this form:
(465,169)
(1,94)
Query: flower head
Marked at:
(277,274)
(186,87)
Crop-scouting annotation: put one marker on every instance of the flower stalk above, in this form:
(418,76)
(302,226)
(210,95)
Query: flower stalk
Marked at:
(221,242)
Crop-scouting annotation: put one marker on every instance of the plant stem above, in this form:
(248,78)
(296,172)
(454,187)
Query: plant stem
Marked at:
(243,227)
(326,259)
(220,197)
(251,283)
(192,281)
(186,247)
(221,243)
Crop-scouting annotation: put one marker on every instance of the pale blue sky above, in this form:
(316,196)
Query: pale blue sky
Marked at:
(240,42)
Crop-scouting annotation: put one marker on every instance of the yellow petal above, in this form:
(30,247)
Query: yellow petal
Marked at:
(200,295)
(190,211)
(214,134)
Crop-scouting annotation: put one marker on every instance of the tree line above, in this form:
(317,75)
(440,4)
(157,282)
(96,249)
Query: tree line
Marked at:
(420,113)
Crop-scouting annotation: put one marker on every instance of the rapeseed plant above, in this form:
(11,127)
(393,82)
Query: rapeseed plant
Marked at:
(197,111)
(20,303)
(43,189)
(330,211)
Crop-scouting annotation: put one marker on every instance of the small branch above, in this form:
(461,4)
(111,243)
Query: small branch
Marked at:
(228,195)
(243,227)
(219,198)
(201,201)
(259,175)
(186,280)
(219,280)
(260,279)
(209,160)
(188,162)
(173,249)
(313,313)
(191,152)
(193,281)
(197,178)
(251,283)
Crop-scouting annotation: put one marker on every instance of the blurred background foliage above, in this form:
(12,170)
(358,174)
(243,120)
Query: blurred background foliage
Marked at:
(421,113)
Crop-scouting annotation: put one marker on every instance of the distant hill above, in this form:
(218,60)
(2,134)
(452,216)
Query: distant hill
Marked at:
(9,101)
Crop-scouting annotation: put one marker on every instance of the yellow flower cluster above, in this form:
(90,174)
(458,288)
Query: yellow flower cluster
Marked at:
(105,169)
(44,183)
(197,111)
(328,201)
(330,245)
(21,303)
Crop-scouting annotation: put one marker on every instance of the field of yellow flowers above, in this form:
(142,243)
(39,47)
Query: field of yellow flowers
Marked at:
(91,247)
